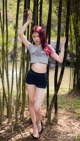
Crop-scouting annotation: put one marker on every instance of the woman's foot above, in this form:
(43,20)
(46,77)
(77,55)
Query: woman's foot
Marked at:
(35,134)
(34,137)
(40,127)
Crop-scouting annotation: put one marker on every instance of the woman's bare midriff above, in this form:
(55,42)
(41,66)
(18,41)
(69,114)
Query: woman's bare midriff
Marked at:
(39,67)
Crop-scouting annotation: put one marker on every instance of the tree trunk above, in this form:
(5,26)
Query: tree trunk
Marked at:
(35,13)
(48,35)
(76,23)
(15,54)
(40,15)
(62,70)
(57,50)
(26,6)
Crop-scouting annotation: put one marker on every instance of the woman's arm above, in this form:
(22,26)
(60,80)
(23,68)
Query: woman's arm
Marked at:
(59,57)
(22,30)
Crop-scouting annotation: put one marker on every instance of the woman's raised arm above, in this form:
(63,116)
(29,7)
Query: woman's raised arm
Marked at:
(22,30)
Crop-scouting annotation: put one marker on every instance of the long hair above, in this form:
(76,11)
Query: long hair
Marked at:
(41,33)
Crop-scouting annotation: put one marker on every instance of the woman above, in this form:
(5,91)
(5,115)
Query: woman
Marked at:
(36,82)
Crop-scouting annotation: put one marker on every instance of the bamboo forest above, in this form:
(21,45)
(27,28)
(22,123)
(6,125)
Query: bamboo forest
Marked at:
(61,104)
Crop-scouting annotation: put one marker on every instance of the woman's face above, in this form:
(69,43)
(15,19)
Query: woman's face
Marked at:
(36,38)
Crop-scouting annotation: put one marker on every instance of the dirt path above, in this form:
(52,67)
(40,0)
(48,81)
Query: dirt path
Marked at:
(67,129)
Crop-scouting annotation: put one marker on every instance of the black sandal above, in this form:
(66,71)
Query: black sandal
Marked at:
(41,128)
(36,138)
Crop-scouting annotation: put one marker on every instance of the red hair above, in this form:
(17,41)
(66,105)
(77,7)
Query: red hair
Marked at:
(41,33)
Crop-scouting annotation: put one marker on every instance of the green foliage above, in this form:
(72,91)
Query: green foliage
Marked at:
(11,36)
(0,39)
(1,109)
(70,104)
(12,6)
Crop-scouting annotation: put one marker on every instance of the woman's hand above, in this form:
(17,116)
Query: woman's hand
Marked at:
(29,16)
(63,44)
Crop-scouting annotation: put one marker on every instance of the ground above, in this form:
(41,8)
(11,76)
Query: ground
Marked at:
(67,128)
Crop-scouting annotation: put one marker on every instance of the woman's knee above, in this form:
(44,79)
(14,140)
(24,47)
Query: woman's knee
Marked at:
(31,102)
(37,108)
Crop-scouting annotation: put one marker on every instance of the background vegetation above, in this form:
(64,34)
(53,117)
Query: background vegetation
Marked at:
(58,18)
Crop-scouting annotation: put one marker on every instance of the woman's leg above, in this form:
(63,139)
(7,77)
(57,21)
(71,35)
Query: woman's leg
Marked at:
(32,93)
(37,106)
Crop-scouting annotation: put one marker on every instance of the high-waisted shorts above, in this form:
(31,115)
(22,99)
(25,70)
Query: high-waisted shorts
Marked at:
(37,79)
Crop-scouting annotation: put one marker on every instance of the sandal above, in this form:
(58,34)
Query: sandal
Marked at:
(36,138)
(41,128)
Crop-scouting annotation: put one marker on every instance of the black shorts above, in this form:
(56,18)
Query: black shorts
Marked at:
(37,79)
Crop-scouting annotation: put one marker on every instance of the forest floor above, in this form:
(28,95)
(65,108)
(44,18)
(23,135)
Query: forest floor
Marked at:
(67,128)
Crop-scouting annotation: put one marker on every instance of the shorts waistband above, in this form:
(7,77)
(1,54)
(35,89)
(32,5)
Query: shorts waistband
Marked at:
(37,72)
